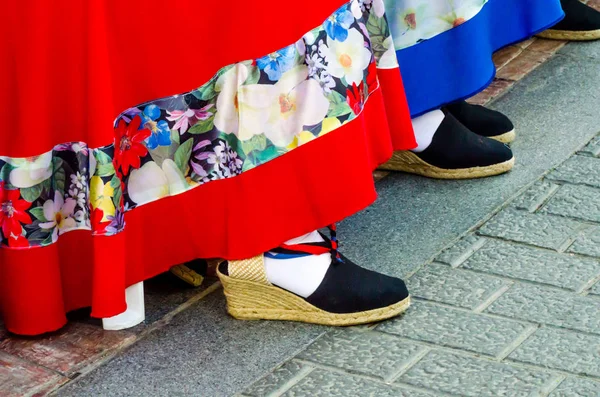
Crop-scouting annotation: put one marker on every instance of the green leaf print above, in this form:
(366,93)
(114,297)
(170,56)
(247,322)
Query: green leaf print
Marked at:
(38,213)
(203,126)
(183,154)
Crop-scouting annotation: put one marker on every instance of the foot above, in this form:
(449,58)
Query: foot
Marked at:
(483,121)
(347,294)
(455,153)
(581,23)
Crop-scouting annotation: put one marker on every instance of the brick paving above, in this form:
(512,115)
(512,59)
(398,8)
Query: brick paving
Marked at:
(512,309)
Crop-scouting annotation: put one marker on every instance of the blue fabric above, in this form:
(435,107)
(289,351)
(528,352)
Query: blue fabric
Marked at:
(457,64)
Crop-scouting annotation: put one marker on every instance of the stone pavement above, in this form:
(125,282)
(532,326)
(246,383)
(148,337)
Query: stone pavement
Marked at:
(512,309)
(504,272)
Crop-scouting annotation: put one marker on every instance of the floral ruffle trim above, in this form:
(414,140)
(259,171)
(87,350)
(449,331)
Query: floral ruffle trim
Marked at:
(248,114)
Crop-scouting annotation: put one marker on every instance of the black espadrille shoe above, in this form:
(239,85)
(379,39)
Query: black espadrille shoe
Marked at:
(483,121)
(581,23)
(455,153)
(348,294)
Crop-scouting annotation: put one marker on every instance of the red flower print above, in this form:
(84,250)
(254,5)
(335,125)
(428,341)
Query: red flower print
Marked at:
(12,212)
(96,219)
(128,145)
(458,22)
(18,242)
(356,97)
(411,20)
(372,77)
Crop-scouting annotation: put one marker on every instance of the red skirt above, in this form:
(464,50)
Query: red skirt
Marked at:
(144,134)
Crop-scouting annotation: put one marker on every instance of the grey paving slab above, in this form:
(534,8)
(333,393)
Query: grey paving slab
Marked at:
(581,50)
(535,196)
(369,353)
(577,387)
(202,352)
(535,229)
(455,328)
(468,376)
(327,384)
(459,252)
(549,306)
(592,148)
(582,170)
(563,350)
(164,293)
(595,290)
(588,243)
(415,218)
(277,380)
(534,264)
(455,287)
(582,202)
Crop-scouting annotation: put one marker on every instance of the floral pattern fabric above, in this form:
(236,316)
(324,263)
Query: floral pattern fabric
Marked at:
(248,114)
(412,21)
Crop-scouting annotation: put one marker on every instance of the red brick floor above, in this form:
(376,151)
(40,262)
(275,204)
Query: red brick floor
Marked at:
(37,366)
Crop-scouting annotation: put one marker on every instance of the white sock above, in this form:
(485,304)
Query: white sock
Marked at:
(425,127)
(303,275)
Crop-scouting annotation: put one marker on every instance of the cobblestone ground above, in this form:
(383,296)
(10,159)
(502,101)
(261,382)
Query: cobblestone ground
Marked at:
(512,309)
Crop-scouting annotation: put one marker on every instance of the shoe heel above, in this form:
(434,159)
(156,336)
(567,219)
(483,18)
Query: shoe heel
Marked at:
(250,300)
(403,160)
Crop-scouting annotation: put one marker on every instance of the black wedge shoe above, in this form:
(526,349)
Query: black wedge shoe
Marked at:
(455,153)
(581,23)
(348,294)
(483,121)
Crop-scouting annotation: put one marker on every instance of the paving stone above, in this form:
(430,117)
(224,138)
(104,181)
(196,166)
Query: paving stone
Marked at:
(595,290)
(588,243)
(460,251)
(455,287)
(468,376)
(455,328)
(535,196)
(575,201)
(583,170)
(277,379)
(592,148)
(577,387)
(563,350)
(20,378)
(546,46)
(371,353)
(522,65)
(549,306)
(594,4)
(68,350)
(320,383)
(506,55)
(534,264)
(495,89)
(527,43)
(535,229)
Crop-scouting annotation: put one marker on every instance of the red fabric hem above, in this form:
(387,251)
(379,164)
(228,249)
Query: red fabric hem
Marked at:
(322,182)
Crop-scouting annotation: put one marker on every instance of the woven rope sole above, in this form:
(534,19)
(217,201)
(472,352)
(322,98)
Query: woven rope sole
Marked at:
(248,300)
(507,137)
(406,161)
(570,35)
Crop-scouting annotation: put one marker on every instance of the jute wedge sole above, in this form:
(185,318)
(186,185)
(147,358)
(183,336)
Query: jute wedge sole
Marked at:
(570,35)
(406,161)
(507,137)
(249,300)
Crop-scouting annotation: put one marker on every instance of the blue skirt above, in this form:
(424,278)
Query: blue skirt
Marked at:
(457,64)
